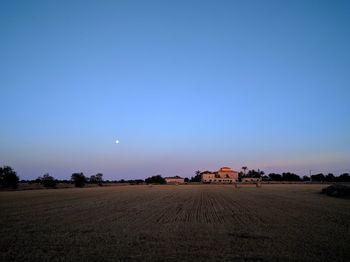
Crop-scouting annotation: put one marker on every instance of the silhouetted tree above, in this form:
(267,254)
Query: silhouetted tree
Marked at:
(8,177)
(318,177)
(136,181)
(186,180)
(255,174)
(306,178)
(47,181)
(158,179)
(96,179)
(343,178)
(275,177)
(330,177)
(290,177)
(197,177)
(78,179)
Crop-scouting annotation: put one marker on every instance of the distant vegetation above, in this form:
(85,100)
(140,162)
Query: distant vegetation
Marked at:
(284,177)
(10,179)
(158,179)
(197,177)
(96,179)
(78,179)
(47,181)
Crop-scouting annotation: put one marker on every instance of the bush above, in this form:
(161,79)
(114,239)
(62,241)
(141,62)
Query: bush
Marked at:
(47,181)
(8,177)
(337,190)
(78,179)
(96,179)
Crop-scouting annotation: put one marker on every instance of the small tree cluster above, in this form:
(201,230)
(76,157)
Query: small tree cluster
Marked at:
(78,179)
(8,177)
(96,179)
(330,178)
(197,177)
(158,179)
(47,181)
(288,176)
(254,173)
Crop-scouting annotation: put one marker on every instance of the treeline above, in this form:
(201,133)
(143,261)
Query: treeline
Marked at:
(288,176)
(10,179)
(345,177)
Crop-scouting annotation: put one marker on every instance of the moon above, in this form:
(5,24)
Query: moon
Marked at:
(117,141)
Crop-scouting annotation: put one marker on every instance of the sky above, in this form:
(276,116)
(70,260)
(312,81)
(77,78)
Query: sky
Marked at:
(183,85)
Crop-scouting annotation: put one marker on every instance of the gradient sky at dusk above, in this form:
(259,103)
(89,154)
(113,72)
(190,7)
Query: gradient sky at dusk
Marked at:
(184,85)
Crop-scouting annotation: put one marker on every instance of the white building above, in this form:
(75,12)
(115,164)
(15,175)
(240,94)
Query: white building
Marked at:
(224,175)
(174,180)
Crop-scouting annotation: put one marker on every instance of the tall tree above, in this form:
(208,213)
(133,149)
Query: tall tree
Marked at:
(197,177)
(8,177)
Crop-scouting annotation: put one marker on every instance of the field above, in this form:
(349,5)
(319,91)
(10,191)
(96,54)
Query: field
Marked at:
(175,223)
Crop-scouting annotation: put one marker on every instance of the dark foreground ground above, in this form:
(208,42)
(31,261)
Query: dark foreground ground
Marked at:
(175,223)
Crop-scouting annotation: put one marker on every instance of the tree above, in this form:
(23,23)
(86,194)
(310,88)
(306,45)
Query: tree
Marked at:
(255,174)
(290,177)
(330,177)
(96,179)
(275,177)
(197,177)
(318,177)
(158,179)
(344,178)
(306,178)
(78,179)
(186,180)
(47,181)
(8,177)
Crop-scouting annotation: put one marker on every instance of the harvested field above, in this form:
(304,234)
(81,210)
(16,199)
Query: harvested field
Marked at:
(175,223)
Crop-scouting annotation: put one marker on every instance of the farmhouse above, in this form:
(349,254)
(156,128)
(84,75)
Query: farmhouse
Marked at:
(174,180)
(224,175)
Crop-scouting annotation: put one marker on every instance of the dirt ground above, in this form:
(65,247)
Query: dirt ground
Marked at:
(175,223)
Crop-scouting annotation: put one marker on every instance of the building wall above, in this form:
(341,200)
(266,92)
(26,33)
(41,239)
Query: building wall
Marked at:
(224,175)
(208,177)
(174,180)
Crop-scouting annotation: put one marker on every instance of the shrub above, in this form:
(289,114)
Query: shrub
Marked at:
(78,179)
(337,190)
(96,179)
(47,181)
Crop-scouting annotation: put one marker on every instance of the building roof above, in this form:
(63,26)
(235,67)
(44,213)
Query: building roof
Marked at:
(207,172)
(173,177)
(225,168)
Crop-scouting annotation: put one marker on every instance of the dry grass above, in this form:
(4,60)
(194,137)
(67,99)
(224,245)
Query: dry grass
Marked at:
(175,223)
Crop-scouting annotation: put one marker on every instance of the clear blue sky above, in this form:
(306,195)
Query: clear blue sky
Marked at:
(184,85)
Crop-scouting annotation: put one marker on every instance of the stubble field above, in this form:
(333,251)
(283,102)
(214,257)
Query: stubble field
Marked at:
(175,223)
